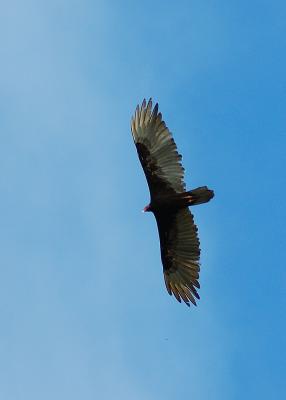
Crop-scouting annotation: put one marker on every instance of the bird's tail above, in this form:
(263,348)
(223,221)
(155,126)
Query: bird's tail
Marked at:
(200,195)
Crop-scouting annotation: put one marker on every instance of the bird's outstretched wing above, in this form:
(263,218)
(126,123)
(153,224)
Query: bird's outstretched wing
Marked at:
(180,252)
(157,151)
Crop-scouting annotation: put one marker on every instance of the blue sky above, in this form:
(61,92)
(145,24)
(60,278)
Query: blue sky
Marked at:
(84,310)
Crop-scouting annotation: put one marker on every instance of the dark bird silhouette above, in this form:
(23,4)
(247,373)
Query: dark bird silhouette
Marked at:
(161,162)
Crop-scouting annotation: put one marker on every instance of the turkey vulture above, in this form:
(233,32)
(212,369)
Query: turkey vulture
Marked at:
(161,162)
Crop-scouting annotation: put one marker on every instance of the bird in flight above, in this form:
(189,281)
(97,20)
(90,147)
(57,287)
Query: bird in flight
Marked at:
(169,202)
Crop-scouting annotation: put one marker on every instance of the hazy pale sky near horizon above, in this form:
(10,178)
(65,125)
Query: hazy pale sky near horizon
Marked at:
(84,310)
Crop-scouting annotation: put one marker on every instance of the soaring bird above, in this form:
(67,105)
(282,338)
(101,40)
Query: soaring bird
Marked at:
(169,202)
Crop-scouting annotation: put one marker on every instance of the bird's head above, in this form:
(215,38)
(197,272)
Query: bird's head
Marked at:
(147,208)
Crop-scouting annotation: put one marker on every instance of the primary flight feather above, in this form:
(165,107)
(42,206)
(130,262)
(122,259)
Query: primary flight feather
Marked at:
(161,162)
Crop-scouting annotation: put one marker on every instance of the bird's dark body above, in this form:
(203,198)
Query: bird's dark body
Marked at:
(169,202)
(165,197)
